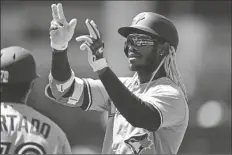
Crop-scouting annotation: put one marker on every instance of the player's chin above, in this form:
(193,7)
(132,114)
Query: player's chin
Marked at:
(133,67)
(134,64)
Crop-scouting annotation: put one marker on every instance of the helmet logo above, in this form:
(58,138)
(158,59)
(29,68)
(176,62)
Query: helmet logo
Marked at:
(138,18)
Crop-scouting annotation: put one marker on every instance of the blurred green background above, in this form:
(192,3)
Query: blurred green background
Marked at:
(204,60)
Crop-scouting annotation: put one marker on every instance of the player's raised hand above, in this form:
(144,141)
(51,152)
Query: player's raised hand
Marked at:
(94,45)
(61,32)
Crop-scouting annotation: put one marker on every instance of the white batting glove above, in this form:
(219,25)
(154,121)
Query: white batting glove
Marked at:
(94,46)
(61,31)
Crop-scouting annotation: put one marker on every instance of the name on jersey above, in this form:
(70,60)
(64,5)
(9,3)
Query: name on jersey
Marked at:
(33,126)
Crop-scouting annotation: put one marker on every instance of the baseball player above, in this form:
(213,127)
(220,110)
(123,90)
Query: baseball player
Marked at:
(23,129)
(148,113)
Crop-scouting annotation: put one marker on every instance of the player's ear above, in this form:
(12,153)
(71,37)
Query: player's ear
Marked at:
(163,49)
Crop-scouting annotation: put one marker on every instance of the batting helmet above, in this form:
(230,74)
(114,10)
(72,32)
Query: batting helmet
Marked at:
(154,25)
(17,65)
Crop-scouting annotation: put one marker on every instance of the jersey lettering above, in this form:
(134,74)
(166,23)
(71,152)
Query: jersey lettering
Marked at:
(3,124)
(12,117)
(45,129)
(26,131)
(37,127)
(5,147)
(23,124)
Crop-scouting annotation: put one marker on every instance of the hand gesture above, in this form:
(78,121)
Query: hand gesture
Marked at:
(94,46)
(61,31)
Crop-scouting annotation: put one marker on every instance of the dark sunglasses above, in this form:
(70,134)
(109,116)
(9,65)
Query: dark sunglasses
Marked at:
(139,40)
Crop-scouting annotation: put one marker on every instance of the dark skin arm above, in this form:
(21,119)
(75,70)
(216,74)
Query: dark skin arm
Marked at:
(60,68)
(137,112)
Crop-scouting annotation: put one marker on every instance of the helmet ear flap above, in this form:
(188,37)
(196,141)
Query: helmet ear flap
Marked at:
(126,48)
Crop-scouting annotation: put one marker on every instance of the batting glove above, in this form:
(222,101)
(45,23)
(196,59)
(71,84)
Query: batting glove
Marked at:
(94,45)
(61,31)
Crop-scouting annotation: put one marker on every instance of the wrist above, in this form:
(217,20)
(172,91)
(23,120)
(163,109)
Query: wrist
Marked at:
(100,72)
(55,51)
(59,48)
(99,64)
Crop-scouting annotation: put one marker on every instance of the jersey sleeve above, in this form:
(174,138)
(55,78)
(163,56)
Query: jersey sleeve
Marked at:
(98,95)
(68,93)
(169,102)
(88,94)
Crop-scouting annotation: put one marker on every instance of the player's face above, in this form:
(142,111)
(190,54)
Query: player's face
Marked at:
(140,52)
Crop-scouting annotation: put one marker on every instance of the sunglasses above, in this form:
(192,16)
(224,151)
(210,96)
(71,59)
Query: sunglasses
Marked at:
(139,40)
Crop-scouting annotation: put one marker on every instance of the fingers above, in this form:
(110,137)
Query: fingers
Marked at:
(52,32)
(55,12)
(95,28)
(83,46)
(84,38)
(73,23)
(91,30)
(91,57)
(54,26)
(60,11)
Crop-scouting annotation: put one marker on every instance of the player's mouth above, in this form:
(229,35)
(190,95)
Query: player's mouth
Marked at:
(133,57)
(133,54)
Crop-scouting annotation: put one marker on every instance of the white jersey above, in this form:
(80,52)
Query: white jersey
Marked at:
(26,131)
(121,137)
